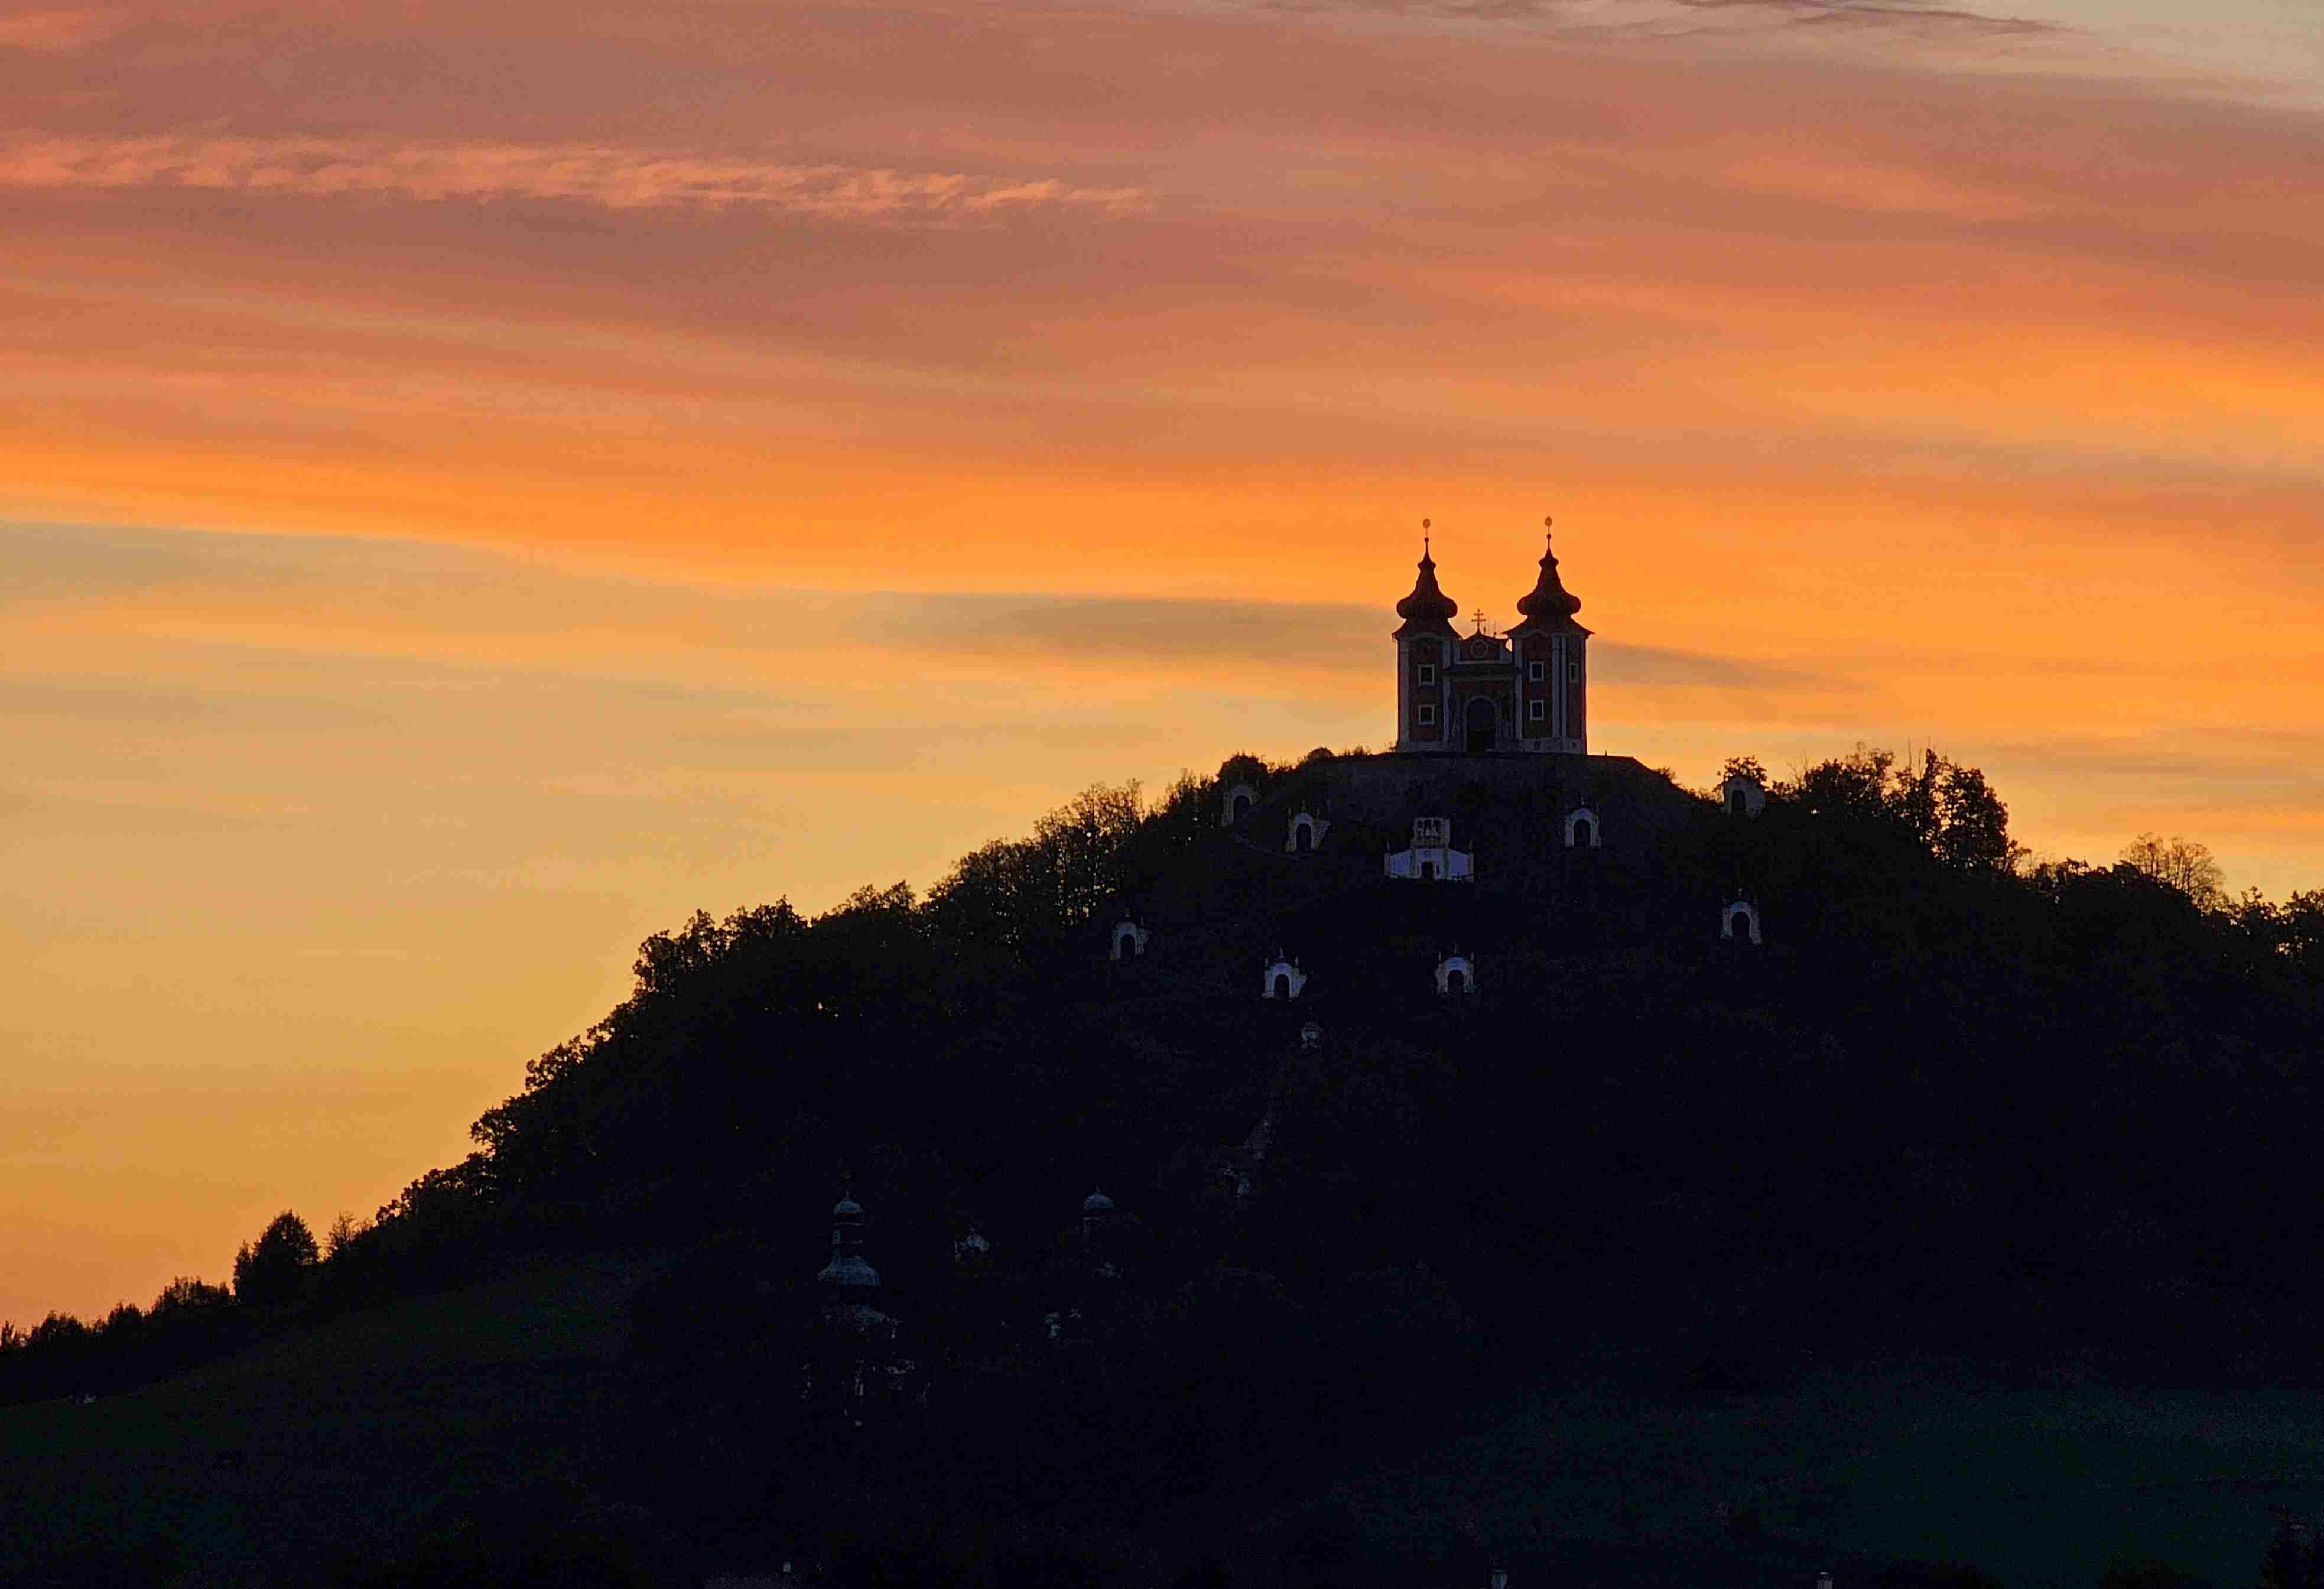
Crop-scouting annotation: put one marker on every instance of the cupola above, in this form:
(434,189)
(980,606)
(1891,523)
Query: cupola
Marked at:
(1427,610)
(1549,604)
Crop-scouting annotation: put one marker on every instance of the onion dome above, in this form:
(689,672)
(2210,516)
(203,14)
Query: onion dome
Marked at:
(1549,603)
(1427,610)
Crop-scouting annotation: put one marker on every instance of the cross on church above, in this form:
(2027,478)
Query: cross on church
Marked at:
(1479,616)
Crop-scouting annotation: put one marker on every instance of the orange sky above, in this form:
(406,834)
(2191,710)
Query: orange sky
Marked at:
(479,482)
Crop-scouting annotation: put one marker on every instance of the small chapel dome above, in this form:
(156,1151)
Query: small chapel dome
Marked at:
(847,1270)
(1097,1203)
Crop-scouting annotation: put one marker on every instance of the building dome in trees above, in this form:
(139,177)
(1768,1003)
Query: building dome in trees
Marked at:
(848,1269)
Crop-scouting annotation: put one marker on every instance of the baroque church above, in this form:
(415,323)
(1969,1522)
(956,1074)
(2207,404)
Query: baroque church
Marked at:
(1525,690)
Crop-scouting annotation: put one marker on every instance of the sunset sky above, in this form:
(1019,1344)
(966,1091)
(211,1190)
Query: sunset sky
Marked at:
(478,482)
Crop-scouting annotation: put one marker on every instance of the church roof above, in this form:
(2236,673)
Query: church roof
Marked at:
(1549,604)
(1427,610)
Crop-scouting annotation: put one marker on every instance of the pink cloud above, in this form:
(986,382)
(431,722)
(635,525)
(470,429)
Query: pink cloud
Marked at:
(611,177)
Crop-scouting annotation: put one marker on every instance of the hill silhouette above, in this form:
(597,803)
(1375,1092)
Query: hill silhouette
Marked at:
(1952,1103)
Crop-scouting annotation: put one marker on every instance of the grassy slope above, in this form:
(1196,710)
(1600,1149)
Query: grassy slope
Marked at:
(374,1428)
(336,1444)
(2042,1486)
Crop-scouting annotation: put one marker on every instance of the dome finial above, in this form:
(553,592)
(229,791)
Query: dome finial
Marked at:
(1424,541)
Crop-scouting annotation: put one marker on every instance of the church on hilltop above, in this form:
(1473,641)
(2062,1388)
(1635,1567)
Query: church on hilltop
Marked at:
(1525,690)
(1325,871)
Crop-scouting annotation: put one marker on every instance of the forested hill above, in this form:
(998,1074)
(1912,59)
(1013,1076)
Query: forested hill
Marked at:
(1941,1072)
(1952,1100)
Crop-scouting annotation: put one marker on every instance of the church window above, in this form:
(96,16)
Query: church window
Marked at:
(1574,673)
(1532,672)
(1537,710)
(1427,716)
(1427,672)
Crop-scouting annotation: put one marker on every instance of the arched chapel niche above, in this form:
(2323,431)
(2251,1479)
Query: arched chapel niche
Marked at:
(1456,975)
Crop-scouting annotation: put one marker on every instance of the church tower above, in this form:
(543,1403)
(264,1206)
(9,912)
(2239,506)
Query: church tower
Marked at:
(1424,654)
(1553,664)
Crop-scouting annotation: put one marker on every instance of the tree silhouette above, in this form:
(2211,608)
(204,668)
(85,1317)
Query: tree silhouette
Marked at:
(272,1271)
(2181,863)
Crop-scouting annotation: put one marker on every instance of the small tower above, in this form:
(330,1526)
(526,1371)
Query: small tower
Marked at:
(853,1365)
(849,1284)
(1423,651)
(1553,664)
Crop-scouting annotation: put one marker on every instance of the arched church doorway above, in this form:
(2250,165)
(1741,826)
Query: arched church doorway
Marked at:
(1428,872)
(1585,833)
(1303,837)
(1735,802)
(1456,981)
(1282,985)
(1484,723)
(1242,805)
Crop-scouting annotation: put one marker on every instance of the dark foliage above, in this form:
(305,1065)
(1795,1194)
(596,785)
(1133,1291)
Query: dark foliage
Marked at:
(273,1270)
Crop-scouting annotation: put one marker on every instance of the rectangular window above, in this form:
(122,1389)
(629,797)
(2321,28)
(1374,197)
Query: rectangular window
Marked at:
(1532,672)
(1428,717)
(1574,673)
(1537,710)
(1427,672)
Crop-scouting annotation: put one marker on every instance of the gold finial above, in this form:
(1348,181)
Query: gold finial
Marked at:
(1423,538)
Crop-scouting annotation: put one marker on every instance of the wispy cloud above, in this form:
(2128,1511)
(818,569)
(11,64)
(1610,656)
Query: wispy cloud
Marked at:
(611,177)
(1927,18)
(61,31)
